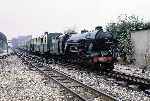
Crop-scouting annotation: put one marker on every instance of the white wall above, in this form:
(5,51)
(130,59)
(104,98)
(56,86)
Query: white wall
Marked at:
(141,41)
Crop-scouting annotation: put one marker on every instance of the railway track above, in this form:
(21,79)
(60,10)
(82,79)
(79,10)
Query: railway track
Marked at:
(117,75)
(143,83)
(128,79)
(75,90)
(131,79)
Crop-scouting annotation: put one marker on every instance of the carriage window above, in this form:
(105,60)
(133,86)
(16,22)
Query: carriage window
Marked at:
(41,40)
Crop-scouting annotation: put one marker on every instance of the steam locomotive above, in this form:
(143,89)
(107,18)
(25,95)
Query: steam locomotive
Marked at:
(94,49)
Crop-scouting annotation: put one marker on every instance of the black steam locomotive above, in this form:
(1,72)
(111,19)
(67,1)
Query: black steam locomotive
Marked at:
(94,49)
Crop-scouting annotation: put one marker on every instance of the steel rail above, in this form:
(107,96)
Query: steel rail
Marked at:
(88,93)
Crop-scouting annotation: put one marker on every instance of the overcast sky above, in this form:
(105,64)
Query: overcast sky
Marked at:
(24,17)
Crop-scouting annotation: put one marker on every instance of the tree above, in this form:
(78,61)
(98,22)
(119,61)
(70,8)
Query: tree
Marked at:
(122,32)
